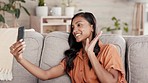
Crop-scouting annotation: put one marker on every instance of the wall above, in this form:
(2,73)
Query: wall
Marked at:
(146,21)
(102,9)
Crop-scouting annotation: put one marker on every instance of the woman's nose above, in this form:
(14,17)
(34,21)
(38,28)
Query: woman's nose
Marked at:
(75,30)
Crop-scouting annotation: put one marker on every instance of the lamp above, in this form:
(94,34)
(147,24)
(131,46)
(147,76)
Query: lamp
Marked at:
(138,18)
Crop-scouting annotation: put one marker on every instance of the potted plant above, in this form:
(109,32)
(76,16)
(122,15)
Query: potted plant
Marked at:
(41,9)
(13,7)
(118,27)
(69,7)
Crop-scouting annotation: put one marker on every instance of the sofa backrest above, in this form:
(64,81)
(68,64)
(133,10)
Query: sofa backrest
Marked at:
(55,44)
(137,58)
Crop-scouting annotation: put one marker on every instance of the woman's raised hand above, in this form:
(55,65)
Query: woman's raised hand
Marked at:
(91,44)
(17,49)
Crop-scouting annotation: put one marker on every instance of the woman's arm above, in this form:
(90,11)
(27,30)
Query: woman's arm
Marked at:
(17,50)
(40,73)
(103,75)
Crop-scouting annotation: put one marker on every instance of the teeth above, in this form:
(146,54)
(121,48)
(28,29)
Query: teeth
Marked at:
(77,35)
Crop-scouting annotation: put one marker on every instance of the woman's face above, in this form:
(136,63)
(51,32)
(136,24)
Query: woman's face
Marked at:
(82,29)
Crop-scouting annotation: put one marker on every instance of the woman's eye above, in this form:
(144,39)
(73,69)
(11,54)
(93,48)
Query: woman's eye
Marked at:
(79,25)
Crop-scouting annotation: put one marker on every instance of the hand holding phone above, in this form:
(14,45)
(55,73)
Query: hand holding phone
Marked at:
(20,33)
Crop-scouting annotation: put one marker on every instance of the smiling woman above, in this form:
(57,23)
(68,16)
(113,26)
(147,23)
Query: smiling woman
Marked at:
(85,49)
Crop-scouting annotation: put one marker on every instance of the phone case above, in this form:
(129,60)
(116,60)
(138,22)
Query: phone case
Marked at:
(20,33)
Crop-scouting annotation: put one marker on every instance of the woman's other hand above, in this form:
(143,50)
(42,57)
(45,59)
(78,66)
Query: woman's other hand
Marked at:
(91,44)
(17,49)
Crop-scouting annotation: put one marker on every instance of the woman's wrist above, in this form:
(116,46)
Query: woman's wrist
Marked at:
(19,59)
(90,53)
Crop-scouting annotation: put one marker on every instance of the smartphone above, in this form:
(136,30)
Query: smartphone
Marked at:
(20,33)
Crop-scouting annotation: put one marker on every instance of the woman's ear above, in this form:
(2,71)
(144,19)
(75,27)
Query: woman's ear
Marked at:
(92,29)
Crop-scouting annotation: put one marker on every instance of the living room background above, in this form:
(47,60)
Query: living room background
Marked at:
(102,9)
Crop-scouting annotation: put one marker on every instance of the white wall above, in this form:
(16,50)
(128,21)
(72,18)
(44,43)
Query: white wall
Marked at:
(102,9)
(146,21)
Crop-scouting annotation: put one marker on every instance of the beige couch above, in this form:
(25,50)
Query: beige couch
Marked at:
(47,51)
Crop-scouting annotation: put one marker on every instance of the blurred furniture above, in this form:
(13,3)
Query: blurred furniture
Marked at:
(40,23)
(138,17)
(8,35)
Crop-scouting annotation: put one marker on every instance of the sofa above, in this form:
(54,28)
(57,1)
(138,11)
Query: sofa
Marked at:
(47,50)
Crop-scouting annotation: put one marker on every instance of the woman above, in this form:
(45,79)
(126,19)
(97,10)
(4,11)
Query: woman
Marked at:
(87,60)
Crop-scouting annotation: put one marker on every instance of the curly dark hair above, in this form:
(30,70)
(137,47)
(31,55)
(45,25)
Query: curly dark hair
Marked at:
(75,47)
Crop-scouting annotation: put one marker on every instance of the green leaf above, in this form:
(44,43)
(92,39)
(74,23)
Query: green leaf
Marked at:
(11,11)
(2,19)
(5,7)
(26,10)
(0,6)
(11,1)
(117,25)
(108,29)
(126,29)
(113,18)
(17,13)
(41,3)
(23,1)
(125,24)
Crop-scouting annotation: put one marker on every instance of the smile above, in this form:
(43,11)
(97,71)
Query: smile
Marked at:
(77,35)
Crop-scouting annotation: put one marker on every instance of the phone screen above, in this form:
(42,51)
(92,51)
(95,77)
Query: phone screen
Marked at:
(20,33)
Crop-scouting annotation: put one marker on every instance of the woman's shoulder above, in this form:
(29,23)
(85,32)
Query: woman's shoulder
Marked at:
(108,53)
(108,46)
(108,50)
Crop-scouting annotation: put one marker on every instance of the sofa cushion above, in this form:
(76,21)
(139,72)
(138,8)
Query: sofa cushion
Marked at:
(136,59)
(34,42)
(55,44)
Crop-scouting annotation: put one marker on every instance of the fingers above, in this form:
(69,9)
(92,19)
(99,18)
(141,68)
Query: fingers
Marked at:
(17,48)
(87,44)
(15,44)
(21,50)
(98,35)
(96,38)
(90,45)
(11,48)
